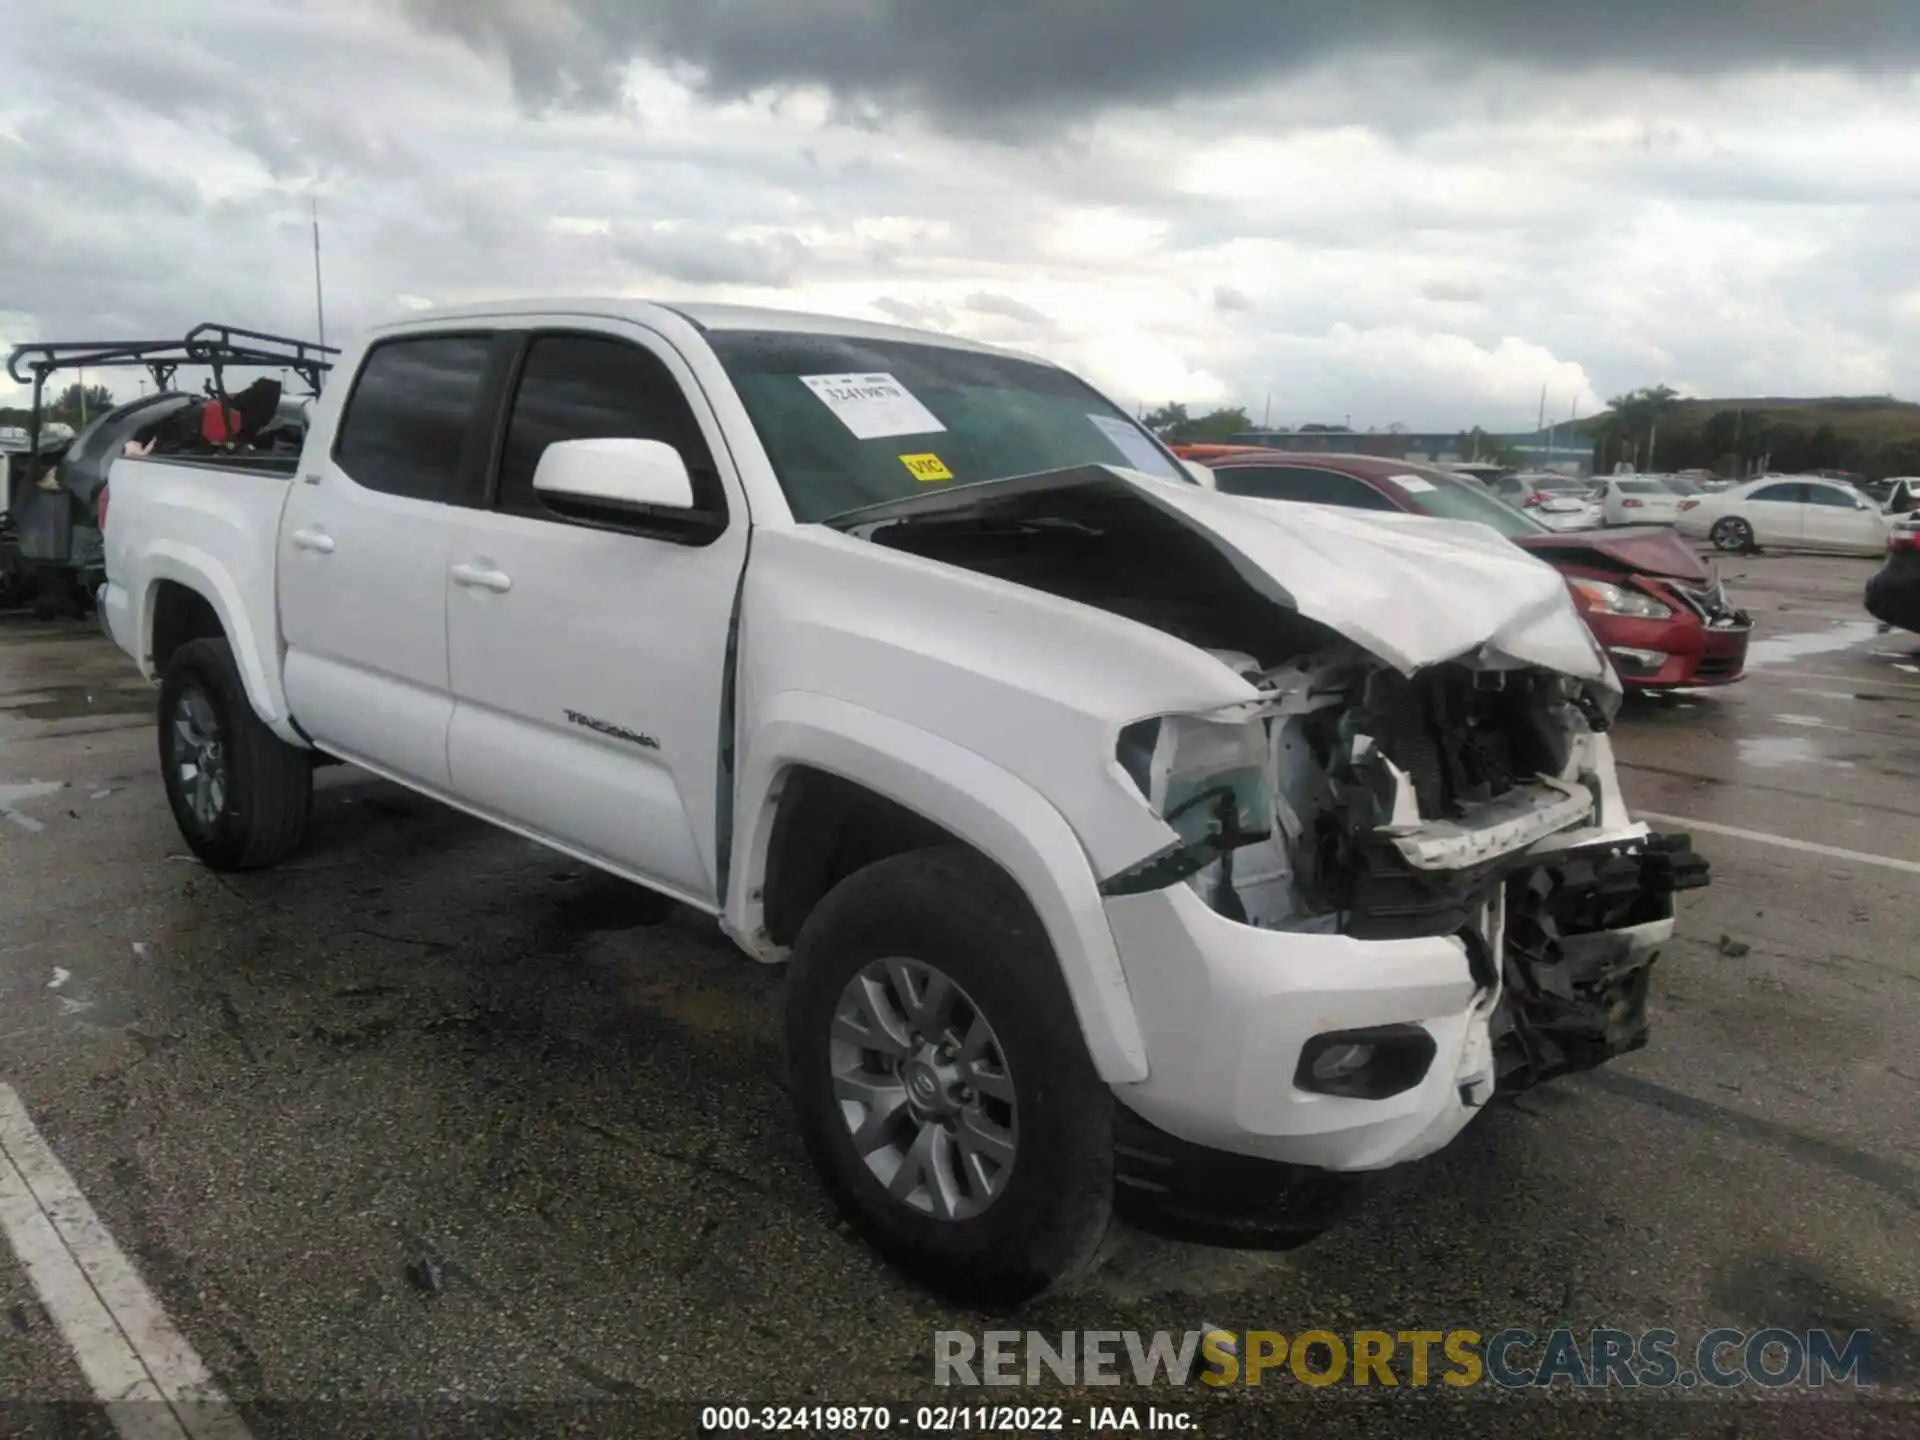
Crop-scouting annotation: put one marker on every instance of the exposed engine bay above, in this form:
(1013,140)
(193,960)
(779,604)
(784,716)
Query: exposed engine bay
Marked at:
(1353,797)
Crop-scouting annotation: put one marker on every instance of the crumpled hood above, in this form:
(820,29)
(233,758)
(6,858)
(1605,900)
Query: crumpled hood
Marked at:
(1412,590)
(1648,549)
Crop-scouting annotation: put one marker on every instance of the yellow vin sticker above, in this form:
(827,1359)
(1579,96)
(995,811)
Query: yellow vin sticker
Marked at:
(926,467)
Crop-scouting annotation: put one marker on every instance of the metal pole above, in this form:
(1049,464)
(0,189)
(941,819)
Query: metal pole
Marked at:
(319,296)
(82,371)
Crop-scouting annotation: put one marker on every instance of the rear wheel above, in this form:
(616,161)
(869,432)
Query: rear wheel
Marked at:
(1733,534)
(239,793)
(941,1083)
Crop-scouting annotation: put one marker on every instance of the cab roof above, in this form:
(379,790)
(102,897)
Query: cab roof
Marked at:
(702,315)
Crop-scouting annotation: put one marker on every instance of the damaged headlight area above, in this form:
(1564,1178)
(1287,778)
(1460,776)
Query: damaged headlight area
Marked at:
(1206,777)
(1605,598)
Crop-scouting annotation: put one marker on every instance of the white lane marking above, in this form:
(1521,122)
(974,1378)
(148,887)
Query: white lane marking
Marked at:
(25,822)
(153,1384)
(60,977)
(1760,837)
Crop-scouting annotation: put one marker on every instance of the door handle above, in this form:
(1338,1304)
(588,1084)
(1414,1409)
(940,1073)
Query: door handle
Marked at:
(481,578)
(317,541)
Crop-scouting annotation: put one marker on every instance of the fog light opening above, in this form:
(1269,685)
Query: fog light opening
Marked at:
(1373,1064)
(1637,662)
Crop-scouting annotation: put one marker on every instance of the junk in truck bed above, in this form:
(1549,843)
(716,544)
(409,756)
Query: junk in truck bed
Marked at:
(54,482)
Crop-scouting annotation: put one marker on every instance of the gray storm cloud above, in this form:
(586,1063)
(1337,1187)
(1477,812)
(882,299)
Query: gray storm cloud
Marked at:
(994,64)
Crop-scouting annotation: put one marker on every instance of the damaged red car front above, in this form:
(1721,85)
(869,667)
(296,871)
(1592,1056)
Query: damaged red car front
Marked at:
(1660,613)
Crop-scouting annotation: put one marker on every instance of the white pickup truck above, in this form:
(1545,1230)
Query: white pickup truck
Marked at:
(1134,848)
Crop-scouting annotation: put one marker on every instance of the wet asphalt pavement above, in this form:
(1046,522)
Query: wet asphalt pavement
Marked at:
(430,1117)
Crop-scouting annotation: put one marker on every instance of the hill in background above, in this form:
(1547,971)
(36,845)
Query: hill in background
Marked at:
(1875,435)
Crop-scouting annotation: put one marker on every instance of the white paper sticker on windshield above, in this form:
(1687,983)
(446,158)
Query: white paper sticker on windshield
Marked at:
(1140,452)
(1412,484)
(873,407)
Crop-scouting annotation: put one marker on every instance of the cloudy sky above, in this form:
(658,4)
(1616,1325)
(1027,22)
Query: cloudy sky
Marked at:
(1349,205)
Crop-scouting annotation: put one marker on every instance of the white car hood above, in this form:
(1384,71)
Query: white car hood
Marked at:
(1412,590)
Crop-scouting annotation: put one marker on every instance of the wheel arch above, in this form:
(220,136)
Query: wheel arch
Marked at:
(188,596)
(813,758)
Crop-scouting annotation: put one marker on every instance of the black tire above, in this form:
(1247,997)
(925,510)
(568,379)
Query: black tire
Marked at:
(952,909)
(260,817)
(1732,534)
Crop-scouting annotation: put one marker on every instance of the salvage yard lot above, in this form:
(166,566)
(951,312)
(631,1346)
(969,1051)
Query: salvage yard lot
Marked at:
(429,1114)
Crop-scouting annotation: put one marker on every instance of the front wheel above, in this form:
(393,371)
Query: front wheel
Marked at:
(239,793)
(940,1080)
(1733,534)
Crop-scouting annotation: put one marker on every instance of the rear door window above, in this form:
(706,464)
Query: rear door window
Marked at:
(1301,483)
(408,426)
(1785,494)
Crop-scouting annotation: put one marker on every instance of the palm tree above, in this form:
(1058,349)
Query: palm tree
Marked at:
(1637,413)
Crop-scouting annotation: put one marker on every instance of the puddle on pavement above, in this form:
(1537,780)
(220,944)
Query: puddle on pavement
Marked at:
(12,795)
(1776,752)
(70,702)
(1779,649)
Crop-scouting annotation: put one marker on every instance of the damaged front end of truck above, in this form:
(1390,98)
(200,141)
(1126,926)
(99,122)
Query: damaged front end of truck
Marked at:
(1465,800)
(1423,753)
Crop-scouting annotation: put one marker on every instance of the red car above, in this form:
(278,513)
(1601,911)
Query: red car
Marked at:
(1662,615)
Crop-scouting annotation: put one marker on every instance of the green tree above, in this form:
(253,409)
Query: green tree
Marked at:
(1824,450)
(1630,429)
(1169,422)
(1218,425)
(75,407)
(1173,424)
(1476,444)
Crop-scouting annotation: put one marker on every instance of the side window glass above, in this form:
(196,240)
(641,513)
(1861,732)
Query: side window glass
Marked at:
(1351,493)
(591,387)
(1827,495)
(1299,483)
(1787,494)
(411,414)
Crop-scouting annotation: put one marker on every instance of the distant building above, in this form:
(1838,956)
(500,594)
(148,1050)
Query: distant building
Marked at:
(1538,450)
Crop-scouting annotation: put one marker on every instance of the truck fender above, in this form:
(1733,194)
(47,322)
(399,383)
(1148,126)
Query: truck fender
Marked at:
(990,809)
(206,577)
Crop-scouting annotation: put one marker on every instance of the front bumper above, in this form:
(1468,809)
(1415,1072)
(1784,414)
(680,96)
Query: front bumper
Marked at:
(1228,1011)
(1691,652)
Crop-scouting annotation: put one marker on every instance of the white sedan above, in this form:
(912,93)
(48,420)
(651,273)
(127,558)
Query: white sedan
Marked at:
(1790,512)
(1638,500)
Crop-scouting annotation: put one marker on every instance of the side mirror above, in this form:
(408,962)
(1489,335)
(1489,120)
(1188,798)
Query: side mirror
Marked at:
(1202,475)
(612,478)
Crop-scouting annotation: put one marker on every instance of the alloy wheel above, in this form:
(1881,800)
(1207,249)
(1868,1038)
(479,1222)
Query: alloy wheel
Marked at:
(199,756)
(923,1086)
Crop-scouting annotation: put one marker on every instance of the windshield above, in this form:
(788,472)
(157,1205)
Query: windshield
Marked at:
(1681,486)
(1449,497)
(849,422)
(1560,484)
(1640,487)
